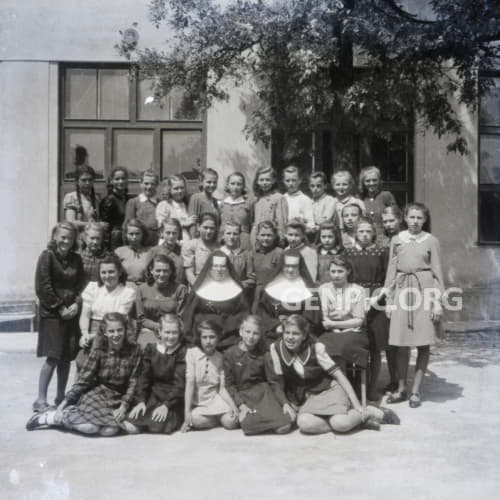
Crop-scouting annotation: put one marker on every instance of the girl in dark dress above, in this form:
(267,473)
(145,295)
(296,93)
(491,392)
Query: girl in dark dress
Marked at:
(99,400)
(369,266)
(159,393)
(259,410)
(289,291)
(112,206)
(161,294)
(217,296)
(59,280)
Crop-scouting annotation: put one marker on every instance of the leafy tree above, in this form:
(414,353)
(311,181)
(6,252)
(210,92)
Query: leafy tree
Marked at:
(348,65)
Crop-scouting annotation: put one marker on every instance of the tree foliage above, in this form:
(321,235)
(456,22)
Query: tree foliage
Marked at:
(344,64)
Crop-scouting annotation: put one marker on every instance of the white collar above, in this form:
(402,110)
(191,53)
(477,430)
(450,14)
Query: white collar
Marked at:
(237,201)
(218,291)
(406,237)
(142,198)
(162,348)
(289,291)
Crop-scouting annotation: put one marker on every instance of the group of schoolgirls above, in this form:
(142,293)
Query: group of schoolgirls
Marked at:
(202,276)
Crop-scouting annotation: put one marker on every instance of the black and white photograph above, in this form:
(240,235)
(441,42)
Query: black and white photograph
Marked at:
(251,249)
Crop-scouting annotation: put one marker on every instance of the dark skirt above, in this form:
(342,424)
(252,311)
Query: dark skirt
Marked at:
(378,330)
(175,417)
(267,413)
(58,338)
(352,347)
(94,407)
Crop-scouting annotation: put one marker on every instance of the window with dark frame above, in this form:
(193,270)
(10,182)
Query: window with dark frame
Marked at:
(110,111)
(489,164)
(393,155)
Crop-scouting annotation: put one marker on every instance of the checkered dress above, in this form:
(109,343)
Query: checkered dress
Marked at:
(107,379)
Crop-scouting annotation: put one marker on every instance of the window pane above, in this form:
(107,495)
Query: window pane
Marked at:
(114,87)
(181,153)
(390,156)
(133,149)
(147,108)
(489,217)
(489,159)
(93,142)
(80,93)
(490,105)
(177,113)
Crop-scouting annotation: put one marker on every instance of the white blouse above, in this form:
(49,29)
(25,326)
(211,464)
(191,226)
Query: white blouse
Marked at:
(97,301)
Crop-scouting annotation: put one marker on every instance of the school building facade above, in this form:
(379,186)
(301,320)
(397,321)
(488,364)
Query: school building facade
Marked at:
(63,84)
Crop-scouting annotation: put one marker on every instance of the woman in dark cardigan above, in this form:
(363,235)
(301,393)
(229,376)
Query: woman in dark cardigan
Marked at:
(59,280)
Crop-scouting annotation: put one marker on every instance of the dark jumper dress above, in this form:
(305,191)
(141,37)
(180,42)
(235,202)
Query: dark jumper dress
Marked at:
(246,382)
(162,381)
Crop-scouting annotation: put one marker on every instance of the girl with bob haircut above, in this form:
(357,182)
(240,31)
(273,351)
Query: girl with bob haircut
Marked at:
(207,403)
(312,389)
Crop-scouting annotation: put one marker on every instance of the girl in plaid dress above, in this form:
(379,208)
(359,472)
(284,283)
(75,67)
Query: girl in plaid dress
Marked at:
(99,400)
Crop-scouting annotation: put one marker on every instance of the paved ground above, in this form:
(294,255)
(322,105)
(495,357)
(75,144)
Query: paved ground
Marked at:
(448,448)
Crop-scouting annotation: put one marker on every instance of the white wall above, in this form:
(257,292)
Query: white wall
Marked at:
(34,32)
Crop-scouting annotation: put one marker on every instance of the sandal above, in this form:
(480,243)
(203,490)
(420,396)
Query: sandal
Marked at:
(415,401)
(397,397)
(40,407)
(33,423)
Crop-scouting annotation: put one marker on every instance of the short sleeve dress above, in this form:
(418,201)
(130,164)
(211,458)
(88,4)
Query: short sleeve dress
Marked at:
(135,263)
(414,276)
(152,302)
(88,212)
(305,379)
(207,373)
(350,344)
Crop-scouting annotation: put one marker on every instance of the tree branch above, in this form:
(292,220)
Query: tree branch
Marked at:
(402,13)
